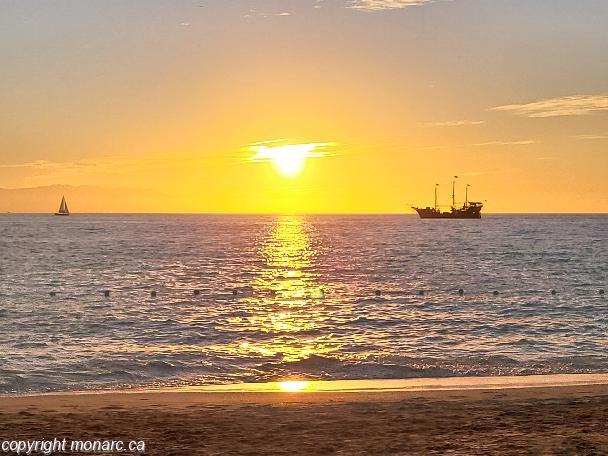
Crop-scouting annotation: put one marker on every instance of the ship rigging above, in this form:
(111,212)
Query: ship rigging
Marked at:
(469,210)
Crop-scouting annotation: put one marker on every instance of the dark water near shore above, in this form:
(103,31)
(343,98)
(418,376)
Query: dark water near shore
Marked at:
(305,303)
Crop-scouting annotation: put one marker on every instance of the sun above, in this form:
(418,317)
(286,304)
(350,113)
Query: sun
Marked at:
(288,159)
(293,386)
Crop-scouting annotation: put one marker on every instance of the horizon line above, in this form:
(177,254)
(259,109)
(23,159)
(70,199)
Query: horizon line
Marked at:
(290,213)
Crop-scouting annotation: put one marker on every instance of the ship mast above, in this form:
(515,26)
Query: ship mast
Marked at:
(454,191)
(436,185)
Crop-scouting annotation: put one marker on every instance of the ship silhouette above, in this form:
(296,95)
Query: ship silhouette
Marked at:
(469,210)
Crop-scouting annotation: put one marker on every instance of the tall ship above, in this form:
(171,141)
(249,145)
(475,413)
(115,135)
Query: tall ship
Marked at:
(469,210)
(63,208)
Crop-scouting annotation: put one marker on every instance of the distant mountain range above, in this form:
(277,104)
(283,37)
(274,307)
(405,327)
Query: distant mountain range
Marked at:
(81,199)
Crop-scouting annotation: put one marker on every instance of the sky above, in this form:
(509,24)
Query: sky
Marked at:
(303,106)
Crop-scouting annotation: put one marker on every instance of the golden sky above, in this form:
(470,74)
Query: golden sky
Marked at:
(329,106)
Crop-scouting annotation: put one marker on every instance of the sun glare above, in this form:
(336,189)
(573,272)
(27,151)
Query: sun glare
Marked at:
(288,159)
(293,387)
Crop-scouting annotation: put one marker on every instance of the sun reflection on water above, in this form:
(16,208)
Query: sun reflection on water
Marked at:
(289,255)
(287,309)
(293,386)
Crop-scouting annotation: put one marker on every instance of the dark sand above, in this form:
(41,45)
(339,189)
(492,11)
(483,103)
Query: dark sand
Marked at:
(528,421)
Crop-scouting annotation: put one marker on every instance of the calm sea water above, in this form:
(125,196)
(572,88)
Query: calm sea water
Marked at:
(284,297)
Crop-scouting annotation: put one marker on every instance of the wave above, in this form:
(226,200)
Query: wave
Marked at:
(157,373)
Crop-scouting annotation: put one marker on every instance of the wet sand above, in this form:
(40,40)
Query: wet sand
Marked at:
(561,420)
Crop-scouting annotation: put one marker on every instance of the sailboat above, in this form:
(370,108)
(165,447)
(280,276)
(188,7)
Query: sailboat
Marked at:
(63,208)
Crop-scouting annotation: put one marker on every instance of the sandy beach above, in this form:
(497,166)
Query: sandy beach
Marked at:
(559,420)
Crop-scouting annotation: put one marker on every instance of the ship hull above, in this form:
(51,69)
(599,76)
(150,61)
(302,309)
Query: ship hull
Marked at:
(471,212)
(61,215)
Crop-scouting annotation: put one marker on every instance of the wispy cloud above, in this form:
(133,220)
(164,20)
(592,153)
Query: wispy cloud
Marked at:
(105,163)
(271,150)
(380,5)
(257,14)
(288,159)
(526,142)
(592,137)
(47,165)
(71,170)
(455,123)
(575,105)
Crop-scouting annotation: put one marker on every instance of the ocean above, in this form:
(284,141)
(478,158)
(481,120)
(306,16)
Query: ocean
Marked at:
(248,298)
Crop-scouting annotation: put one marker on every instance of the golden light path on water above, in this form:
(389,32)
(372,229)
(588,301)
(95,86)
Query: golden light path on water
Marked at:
(288,303)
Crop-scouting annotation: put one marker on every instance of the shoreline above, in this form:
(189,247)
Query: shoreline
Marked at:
(303,386)
(542,419)
(182,400)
